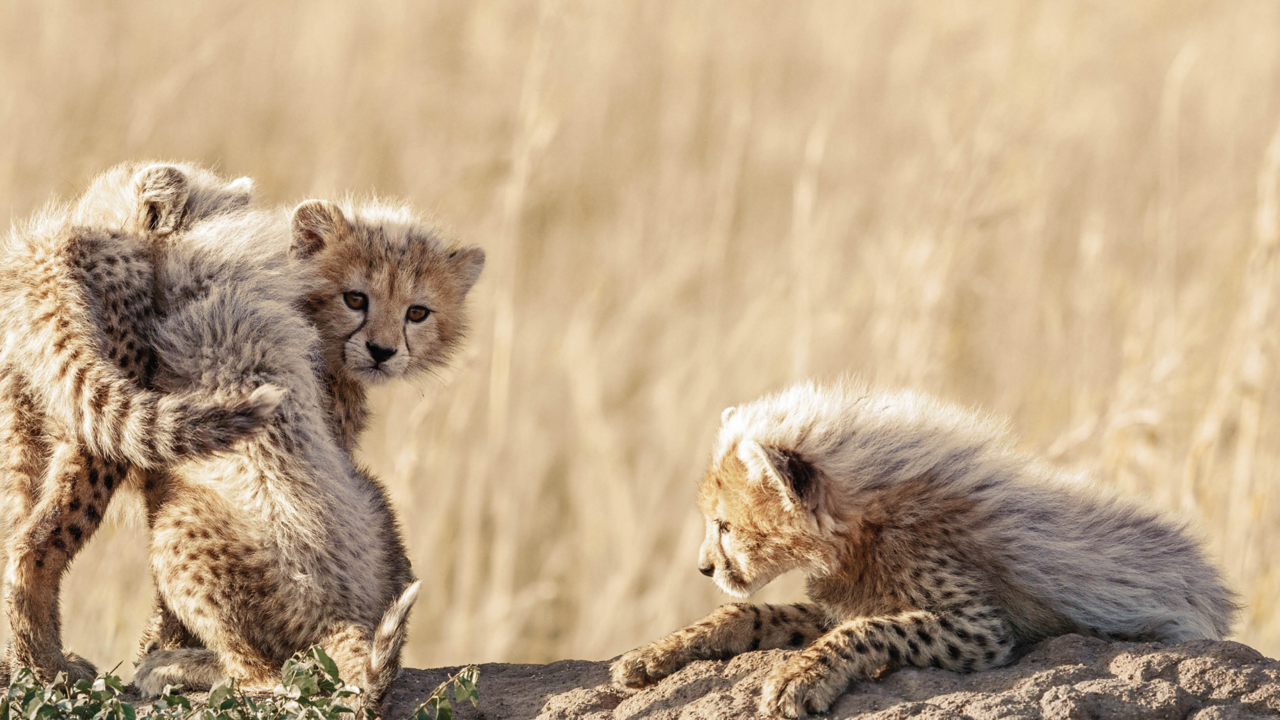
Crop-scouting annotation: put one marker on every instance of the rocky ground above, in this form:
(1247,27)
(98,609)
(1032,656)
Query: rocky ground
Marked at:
(1064,678)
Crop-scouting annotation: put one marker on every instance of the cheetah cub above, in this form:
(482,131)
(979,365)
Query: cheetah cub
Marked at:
(387,298)
(260,556)
(76,414)
(384,291)
(928,540)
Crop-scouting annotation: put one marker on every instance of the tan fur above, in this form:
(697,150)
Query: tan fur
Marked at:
(74,412)
(928,540)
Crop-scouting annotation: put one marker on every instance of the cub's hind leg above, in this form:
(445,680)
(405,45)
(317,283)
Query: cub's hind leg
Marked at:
(23,451)
(165,631)
(68,510)
(23,456)
(729,630)
(213,581)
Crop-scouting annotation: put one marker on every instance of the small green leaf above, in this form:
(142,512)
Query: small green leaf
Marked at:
(325,662)
(219,695)
(114,683)
(472,694)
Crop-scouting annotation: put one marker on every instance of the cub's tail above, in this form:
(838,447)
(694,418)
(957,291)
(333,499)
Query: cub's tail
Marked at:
(56,344)
(388,639)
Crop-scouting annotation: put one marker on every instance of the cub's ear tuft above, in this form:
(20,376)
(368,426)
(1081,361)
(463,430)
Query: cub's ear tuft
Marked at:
(162,192)
(316,223)
(794,478)
(467,263)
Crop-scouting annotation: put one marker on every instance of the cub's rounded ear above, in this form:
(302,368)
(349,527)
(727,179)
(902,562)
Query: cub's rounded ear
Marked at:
(316,223)
(242,186)
(785,471)
(162,192)
(467,263)
(728,413)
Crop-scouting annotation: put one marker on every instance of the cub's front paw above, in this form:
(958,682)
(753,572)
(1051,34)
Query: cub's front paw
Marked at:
(647,665)
(806,684)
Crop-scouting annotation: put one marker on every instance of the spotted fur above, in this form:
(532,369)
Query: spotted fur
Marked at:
(928,540)
(396,263)
(285,543)
(76,417)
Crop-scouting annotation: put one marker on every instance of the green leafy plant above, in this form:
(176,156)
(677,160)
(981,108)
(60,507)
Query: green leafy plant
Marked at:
(310,689)
(99,699)
(437,705)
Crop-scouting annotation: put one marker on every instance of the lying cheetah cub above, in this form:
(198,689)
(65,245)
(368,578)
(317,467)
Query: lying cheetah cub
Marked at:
(928,540)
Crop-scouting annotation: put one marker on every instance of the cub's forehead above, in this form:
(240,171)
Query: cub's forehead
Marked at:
(405,247)
(723,479)
(394,227)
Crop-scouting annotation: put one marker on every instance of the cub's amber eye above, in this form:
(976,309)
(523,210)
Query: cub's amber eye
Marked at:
(723,526)
(417,313)
(355,300)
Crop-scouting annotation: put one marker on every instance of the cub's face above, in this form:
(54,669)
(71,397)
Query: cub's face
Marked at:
(390,296)
(750,537)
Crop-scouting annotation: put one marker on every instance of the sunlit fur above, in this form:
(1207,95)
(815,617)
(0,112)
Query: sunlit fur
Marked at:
(397,262)
(76,418)
(927,538)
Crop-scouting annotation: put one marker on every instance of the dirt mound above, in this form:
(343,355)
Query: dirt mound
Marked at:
(1063,678)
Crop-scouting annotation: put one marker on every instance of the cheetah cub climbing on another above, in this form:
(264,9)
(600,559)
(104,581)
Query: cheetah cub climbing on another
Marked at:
(928,540)
(77,416)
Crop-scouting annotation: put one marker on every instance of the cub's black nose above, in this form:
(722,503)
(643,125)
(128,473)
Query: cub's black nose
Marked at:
(707,570)
(379,353)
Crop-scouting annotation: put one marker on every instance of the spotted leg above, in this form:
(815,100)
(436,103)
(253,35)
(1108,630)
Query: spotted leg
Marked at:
(68,511)
(729,630)
(967,639)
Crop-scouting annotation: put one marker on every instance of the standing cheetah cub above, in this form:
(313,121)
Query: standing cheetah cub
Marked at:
(76,412)
(928,540)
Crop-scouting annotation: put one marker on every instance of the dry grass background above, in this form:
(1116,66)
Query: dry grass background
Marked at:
(1064,212)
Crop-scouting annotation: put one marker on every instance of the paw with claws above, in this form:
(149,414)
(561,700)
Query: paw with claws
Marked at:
(647,665)
(806,684)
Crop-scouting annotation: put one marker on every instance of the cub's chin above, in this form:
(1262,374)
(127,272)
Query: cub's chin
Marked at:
(734,590)
(374,375)
(731,583)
